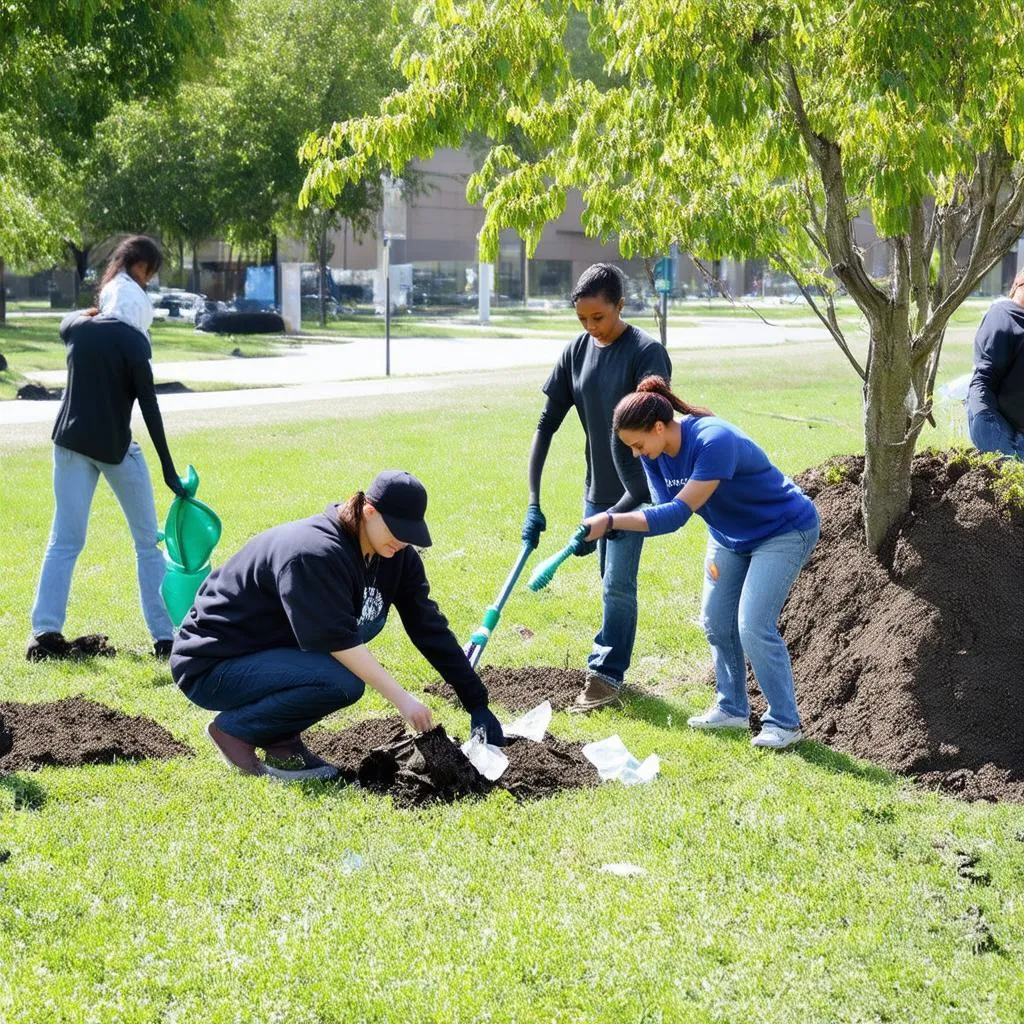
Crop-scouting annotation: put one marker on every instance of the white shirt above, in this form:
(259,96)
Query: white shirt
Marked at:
(123,299)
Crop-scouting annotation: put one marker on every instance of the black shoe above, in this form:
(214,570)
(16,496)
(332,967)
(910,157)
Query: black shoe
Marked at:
(162,649)
(48,646)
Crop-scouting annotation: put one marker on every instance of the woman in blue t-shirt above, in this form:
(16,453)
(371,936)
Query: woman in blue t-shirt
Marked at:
(762,529)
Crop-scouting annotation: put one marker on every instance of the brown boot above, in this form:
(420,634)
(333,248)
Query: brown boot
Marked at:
(235,752)
(597,693)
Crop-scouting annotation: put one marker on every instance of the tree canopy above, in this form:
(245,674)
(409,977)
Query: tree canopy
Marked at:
(741,128)
(62,66)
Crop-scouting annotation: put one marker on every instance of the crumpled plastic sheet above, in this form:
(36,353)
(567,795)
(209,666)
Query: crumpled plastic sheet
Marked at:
(614,762)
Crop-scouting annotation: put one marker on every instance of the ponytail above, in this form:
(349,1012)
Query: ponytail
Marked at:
(134,249)
(652,402)
(350,515)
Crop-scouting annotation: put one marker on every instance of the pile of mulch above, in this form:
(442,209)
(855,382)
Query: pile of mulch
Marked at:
(430,768)
(915,661)
(521,689)
(76,731)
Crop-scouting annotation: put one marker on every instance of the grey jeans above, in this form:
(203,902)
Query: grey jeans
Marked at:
(74,484)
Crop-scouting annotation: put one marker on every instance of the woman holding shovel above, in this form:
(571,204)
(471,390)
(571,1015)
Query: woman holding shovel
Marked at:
(607,360)
(276,639)
(762,529)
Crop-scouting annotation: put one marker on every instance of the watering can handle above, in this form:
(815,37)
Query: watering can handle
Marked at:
(190,481)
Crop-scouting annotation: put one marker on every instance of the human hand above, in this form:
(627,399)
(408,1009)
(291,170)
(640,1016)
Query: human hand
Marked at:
(415,713)
(483,718)
(533,525)
(173,481)
(597,527)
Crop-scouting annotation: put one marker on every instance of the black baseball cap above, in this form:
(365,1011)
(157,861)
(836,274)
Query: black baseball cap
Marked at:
(402,502)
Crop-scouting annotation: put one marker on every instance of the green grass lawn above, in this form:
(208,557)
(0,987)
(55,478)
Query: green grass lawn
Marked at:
(797,887)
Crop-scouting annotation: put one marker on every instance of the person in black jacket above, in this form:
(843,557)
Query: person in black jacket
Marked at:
(276,639)
(108,371)
(995,399)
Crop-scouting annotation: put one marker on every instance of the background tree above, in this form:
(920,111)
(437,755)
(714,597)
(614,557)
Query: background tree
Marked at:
(62,65)
(157,166)
(743,128)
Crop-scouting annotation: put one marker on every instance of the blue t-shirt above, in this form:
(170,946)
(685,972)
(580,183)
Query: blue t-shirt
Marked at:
(753,502)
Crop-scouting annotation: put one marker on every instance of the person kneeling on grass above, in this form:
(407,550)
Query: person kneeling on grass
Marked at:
(276,639)
(762,529)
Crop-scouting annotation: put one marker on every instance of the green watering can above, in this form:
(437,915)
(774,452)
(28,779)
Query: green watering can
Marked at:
(190,534)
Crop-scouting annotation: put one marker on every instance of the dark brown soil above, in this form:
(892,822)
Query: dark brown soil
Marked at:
(537,770)
(520,689)
(347,748)
(916,662)
(76,731)
(421,770)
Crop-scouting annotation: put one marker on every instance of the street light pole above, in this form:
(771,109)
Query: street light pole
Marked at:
(387,307)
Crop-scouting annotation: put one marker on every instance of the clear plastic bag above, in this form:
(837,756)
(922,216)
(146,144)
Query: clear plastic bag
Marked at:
(489,761)
(614,762)
(532,725)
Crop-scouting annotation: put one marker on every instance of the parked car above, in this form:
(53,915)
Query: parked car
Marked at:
(179,303)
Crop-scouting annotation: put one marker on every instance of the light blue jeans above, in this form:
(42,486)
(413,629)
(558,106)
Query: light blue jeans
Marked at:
(743,598)
(74,484)
(991,432)
(273,695)
(619,563)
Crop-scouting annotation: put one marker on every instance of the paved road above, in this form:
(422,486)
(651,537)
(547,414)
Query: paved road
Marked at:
(353,372)
(365,357)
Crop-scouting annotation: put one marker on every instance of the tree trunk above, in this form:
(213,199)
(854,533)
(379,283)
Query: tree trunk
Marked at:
(181,261)
(891,429)
(321,251)
(524,271)
(277,271)
(81,258)
(194,287)
(3,293)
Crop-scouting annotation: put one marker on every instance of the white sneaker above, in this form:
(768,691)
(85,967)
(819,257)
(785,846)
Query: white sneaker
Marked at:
(777,738)
(716,718)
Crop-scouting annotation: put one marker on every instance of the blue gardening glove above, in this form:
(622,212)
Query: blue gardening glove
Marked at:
(585,547)
(533,525)
(483,718)
(173,481)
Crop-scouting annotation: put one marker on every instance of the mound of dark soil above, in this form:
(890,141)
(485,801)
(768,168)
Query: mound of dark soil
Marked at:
(536,770)
(520,689)
(916,661)
(421,770)
(76,731)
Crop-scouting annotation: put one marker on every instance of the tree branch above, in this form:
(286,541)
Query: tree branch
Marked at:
(830,321)
(846,263)
(918,265)
(724,292)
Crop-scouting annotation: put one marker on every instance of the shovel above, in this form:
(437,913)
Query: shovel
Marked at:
(478,641)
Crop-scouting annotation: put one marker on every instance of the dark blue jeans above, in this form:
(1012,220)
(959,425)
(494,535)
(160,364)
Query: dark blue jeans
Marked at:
(618,562)
(991,432)
(277,693)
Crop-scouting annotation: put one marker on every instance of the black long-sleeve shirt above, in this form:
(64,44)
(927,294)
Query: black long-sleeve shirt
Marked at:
(305,584)
(108,371)
(997,384)
(593,378)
